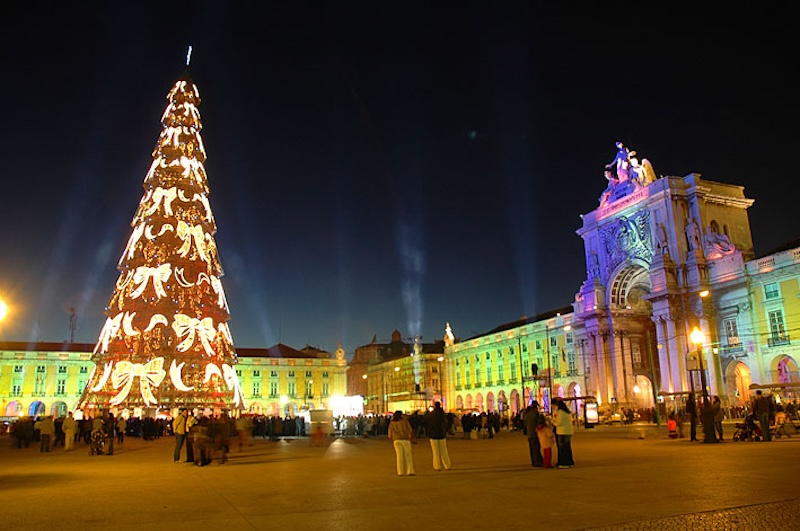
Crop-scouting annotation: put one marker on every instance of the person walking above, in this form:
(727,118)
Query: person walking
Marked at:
(70,428)
(691,412)
(401,433)
(562,418)
(179,429)
(716,408)
(46,430)
(761,407)
(531,421)
(110,426)
(122,425)
(436,425)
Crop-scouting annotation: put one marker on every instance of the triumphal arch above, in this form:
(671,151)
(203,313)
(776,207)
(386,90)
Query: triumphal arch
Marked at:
(658,250)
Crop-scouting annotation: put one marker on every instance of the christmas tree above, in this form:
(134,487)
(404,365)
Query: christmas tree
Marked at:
(166,342)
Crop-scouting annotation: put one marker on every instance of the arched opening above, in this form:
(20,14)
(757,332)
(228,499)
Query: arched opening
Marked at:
(643,392)
(490,402)
(36,409)
(479,402)
(59,409)
(629,289)
(255,408)
(14,409)
(459,402)
(786,370)
(739,380)
(514,401)
(468,402)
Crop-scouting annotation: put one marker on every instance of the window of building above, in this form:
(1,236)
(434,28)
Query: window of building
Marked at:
(310,389)
(16,388)
(488,355)
(510,351)
(239,373)
(256,388)
(292,389)
(326,390)
(524,348)
(291,374)
(81,385)
(38,386)
(17,368)
(273,374)
(84,370)
(538,344)
(512,369)
(777,328)
(570,338)
(324,374)
(308,374)
(61,387)
(572,367)
(41,368)
(553,341)
(62,369)
(273,389)
(500,373)
(257,374)
(488,374)
(477,375)
(731,331)
(458,379)
(771,291)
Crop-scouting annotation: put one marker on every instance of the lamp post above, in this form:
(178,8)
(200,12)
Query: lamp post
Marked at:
(709,435)
(440,359)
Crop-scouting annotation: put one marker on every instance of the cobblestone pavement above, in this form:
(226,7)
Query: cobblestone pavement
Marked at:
(625,478)
(780,515)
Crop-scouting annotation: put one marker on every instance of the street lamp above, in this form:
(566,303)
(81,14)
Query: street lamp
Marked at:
(440,359)
(709,435)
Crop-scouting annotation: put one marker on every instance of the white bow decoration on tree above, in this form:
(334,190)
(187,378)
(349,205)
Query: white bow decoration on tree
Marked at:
(187,328)
(159,274)
(150,374)
(187,234)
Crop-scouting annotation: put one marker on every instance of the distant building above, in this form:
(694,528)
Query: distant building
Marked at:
(49,378)
(282,381)
(397,375)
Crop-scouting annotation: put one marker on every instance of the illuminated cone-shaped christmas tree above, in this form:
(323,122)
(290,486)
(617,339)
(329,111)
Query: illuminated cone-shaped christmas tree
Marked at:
(166,341)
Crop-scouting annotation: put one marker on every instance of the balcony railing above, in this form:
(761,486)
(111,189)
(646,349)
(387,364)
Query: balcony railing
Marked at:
(776,341)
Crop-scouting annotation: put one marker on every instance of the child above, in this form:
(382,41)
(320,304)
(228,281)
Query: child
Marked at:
(547,441)
(672,426)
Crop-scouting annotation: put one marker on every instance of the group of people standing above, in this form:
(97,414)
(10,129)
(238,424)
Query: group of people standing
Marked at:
(402,435)
(548,434)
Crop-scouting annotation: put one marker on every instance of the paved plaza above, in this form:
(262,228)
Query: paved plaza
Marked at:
(630,477)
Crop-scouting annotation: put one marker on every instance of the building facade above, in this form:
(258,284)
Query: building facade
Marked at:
(49,378)
(398,375)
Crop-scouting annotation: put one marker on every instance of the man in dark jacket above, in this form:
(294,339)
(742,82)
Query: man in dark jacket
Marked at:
(531,420)
(436,425)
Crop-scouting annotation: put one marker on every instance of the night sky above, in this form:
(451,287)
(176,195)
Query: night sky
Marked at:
(374,165)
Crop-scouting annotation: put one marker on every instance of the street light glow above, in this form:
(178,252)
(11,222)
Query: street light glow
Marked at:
(697,337)
(3,309)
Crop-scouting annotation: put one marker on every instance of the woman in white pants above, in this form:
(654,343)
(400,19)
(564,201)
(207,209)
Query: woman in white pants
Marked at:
(400,434)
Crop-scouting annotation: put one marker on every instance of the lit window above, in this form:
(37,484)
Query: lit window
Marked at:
(62,369)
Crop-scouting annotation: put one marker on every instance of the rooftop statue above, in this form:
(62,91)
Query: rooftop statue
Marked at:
(625,174)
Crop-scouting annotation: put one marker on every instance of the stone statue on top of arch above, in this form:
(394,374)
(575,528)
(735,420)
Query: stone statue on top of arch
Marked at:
(626,174)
